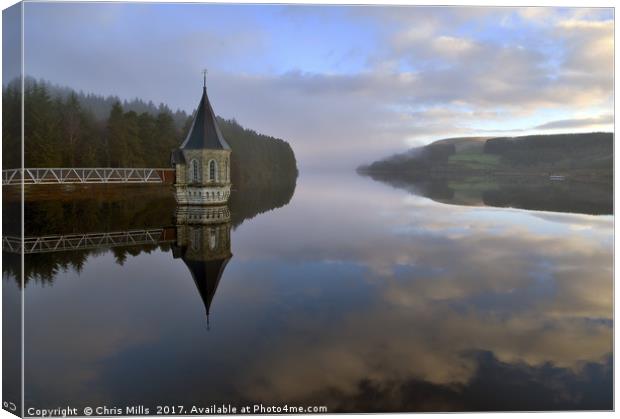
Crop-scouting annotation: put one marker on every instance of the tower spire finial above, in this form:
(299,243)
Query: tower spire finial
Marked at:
(204,78)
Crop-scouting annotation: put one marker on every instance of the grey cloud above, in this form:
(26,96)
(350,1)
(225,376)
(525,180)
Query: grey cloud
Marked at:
(11,47)
(483,76)
(577,122)
(360,116)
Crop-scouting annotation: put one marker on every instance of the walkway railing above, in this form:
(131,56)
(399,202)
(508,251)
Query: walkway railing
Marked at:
(50,176)
(59,243)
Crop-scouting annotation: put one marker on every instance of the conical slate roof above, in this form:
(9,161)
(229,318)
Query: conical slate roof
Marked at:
(204,132)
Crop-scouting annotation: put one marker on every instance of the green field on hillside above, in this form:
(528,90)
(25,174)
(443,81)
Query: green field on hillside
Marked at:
(475,160)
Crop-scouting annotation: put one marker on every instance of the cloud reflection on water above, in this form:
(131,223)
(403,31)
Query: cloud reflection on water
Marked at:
(353,291)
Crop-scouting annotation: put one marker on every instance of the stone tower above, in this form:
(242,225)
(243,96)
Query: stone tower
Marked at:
(202,162)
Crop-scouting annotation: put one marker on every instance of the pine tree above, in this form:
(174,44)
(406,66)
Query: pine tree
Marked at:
(147,134)
(71,128)
(117,149)
(42,146)
(166,138)
(11,127)
(135,153)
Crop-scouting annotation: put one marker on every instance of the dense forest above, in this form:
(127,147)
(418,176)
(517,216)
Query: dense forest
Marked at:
(585,156)
(64,128)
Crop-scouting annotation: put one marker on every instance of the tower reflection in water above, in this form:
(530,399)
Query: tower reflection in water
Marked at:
(203,243)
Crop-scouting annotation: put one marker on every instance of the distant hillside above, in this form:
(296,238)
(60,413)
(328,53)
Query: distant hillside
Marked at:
(64,128)
(465,143)
(586,156)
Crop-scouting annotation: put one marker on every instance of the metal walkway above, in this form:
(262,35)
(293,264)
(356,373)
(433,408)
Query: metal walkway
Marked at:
(60,243)
(51,176)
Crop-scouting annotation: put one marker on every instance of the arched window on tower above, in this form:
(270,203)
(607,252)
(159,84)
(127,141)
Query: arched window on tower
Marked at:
(195,239)
(195,171)
(212,238)
(226,175)
(213,171)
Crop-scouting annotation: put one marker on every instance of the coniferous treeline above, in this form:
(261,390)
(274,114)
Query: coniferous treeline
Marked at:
(99,106)
(60,131)
(63,128)
(258,161)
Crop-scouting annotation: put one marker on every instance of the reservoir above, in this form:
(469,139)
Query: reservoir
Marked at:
(349,293)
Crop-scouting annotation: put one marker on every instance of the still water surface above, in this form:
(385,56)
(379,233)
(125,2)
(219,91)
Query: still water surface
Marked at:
(355,296)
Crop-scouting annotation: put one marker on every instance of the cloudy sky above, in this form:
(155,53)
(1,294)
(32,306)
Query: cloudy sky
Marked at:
(344,85)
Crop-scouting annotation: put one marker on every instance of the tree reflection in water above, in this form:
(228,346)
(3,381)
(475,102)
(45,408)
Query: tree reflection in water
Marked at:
(109,208)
